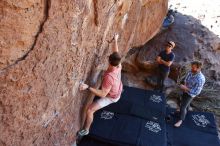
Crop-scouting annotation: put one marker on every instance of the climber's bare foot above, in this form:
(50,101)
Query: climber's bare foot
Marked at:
(178,124)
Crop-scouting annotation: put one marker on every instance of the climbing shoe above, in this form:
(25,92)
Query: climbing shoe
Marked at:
(80,134)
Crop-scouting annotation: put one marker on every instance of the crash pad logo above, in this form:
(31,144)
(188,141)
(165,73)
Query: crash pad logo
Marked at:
(200,120)
(156,98)
(107,115)
(153,126)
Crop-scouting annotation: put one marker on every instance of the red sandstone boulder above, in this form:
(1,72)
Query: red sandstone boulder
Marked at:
(47,47)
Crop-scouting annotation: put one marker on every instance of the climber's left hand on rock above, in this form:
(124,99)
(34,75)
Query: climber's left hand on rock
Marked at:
(83,86)
(116,36)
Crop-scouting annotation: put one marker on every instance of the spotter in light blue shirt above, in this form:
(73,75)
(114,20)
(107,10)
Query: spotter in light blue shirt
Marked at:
(195,83)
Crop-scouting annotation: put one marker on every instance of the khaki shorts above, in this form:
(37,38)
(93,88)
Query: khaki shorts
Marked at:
(105,101)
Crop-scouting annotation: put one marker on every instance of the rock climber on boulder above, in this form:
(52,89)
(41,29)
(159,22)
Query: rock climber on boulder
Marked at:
(110,91)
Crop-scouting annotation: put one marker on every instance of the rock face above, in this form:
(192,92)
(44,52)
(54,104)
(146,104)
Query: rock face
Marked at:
(21,23)
(193,42)
(48,47)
